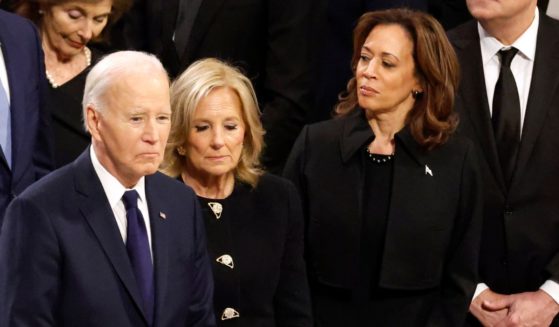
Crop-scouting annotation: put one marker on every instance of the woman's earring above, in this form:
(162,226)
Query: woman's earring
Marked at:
(416,93)
(181,150)
(40,12)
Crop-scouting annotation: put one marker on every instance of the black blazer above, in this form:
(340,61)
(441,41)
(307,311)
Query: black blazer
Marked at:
(63,261)
(432,233)
(32,151)
(520,243)
(261,229)
(268,39)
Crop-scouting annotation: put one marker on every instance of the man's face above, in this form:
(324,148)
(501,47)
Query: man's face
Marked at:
(129,134)
(490,10)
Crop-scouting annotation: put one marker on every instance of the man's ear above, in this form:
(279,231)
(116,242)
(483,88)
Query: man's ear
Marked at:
(92,119)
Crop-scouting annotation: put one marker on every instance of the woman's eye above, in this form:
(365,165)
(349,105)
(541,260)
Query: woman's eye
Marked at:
(230,127)
(100,19)
(387,64)
(363,58)
(74,14)
(200,128)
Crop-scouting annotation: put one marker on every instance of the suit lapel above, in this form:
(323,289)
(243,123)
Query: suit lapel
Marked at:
(99,215)
(206,15)
(473,98)
(543,88)
(11,51)
(188,10)
(159,240)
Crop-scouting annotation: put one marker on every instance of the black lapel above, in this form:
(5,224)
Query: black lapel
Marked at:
(472,102)
(207,13)
(188,10)
(543,88)
(99,215)
(355,134)
(159,238)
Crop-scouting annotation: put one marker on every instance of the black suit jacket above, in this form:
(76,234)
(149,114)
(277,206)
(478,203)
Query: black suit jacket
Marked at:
(63,261)
(268,39)
(31,135)
(433,226)
(520,240)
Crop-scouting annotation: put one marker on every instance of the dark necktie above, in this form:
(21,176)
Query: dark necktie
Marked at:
(137,246)
(506,115)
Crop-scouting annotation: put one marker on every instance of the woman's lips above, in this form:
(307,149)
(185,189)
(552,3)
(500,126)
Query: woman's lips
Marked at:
(367,91)
(74,44)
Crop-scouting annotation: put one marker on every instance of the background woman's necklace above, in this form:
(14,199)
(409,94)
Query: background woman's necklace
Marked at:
(87,54)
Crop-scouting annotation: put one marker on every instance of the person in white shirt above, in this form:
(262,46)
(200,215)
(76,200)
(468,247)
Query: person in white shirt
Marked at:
(508,106)
(107,240)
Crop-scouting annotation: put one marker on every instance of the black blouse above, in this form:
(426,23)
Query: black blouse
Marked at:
(65,106)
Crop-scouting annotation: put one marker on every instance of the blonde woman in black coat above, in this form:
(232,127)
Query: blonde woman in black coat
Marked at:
(253,220)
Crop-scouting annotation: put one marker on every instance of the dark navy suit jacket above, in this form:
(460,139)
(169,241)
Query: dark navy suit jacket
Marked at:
(63,261)
(31,139)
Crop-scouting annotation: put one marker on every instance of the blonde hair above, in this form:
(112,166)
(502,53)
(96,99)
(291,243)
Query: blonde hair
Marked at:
(188,90)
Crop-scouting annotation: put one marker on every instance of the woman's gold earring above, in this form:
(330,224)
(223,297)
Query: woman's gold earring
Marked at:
(181,150)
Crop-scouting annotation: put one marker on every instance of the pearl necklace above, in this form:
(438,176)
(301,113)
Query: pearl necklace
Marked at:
(379,158)
(87,53)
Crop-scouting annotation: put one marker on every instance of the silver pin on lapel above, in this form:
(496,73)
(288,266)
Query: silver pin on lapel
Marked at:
(162,215)
(428,171)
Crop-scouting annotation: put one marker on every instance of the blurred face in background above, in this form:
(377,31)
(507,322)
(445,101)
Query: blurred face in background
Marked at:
(215,140)
(67,27)
(484,10)
(385,72)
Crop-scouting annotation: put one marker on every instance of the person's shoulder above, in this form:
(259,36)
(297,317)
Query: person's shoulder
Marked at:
(328,125)
(465,31)
(169,185)
(15,21)
(51,187)
(329,129)
(270,183)
(458,146)
(549,22)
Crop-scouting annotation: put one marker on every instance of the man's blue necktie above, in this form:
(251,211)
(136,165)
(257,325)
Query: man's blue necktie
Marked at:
(137,246)
(5,126)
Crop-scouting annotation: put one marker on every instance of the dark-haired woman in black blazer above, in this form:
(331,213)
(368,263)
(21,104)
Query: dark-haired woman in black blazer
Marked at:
(391,196)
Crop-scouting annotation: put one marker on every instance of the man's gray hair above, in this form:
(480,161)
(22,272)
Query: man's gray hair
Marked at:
(110,69)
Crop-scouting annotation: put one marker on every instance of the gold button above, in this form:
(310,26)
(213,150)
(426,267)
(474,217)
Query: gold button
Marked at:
(229,313)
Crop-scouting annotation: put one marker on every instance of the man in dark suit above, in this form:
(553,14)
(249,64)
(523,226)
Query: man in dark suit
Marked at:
(25,141)
(101,242)
(269,39)
(519,265)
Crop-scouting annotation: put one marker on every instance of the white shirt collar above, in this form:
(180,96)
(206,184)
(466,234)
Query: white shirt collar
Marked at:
(114,190)
(526,43)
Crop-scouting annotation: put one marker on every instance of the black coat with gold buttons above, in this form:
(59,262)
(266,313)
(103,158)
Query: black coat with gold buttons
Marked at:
(255,242)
